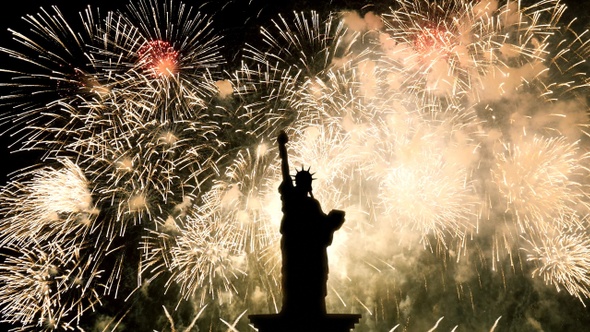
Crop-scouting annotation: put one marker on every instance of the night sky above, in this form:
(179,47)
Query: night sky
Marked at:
(235,20)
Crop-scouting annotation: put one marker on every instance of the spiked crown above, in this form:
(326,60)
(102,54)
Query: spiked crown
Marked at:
(303,178)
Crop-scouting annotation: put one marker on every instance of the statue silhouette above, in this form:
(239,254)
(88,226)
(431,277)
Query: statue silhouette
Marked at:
(306,233)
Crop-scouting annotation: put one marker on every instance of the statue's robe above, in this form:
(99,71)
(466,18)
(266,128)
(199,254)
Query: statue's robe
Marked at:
(306,233)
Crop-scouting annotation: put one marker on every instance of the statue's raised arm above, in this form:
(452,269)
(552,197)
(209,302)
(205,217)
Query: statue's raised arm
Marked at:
(282,139)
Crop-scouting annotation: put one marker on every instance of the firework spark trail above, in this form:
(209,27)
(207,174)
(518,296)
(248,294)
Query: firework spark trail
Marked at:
(297,56)
(146,168)
(143,172)
(205,260)
(562,260)
(47,204)
(132,159)
(434,199)
(430,125)
(240,198)
(423,171)
(537,177)
(245,198)
(151,55)
(145,146)
(48,287)
(457,49)
(306,47)
(207,248)
(344,99)
(265,97)
(57,73)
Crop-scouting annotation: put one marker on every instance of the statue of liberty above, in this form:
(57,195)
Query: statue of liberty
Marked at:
(306,233)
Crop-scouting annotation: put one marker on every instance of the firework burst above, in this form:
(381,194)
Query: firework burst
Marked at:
(54,205)
(48,287)
(428,189)
(562,261)
(469,51)
(537,178)
(306,46)
(55,68)
(158,57)
(205,260)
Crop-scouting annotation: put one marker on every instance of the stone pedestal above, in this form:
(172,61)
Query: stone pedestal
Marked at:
(324,323)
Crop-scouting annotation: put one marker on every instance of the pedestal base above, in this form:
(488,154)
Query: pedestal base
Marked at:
(325,323)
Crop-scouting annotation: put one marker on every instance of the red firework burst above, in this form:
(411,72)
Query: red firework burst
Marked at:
(433,39)
(159,57)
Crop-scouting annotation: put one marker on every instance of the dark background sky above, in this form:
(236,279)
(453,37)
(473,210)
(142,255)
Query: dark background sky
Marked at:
(233,17)
(230,16)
